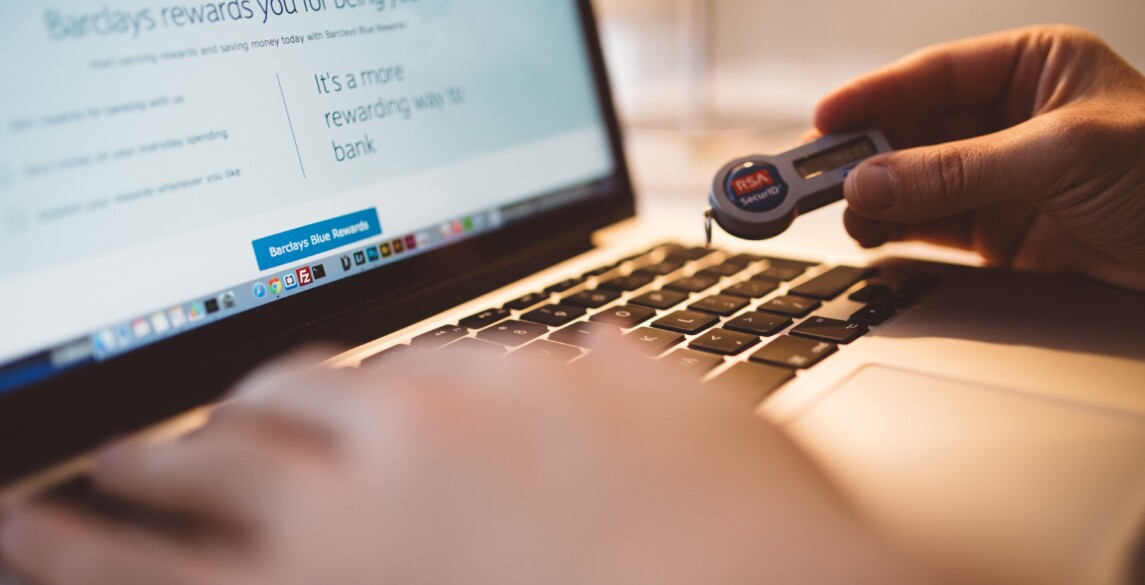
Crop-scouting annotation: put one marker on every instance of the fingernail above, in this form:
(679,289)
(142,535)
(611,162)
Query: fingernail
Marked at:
(874,187)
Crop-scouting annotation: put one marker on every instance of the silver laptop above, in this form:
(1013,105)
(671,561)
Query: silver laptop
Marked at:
(188,189)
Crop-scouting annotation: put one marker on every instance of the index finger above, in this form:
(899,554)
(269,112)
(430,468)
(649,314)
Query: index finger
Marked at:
(961,75)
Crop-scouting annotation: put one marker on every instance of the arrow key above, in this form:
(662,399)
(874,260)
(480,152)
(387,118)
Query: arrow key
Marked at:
(830,330)
(724,342)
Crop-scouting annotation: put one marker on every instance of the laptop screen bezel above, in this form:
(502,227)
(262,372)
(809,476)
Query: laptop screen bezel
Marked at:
(75,411)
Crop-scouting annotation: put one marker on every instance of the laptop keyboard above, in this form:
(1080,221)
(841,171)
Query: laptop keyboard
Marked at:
(738,321)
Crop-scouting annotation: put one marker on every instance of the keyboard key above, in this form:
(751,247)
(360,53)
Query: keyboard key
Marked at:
(695,362)
(872,293)
(780,273)
(468,344)
(548,350)
(794,352)
(628,283)
(687,322)
(527,301)
(790,306)
(873,314)
(902,299)
(693,283)
(722,305)
(660,299)
(485,318)
(752,383)
(624,316)
(385,356)
(921,283)
(564,285)
(724,342)
(725,269)
(832,330)
(584,334)
(743,260)
(599,271)
(593,299)
(513,333)
(759,323)
(439,337)
(663,268)
(752,289)
(694,253)
(654,341)
(790,263)
(554,315)
(832,283)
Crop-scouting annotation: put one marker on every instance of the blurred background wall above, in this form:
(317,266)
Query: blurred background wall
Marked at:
(783,54)
(747,73)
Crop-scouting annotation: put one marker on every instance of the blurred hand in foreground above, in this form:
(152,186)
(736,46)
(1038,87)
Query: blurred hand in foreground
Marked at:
(1026,146)
(448,469)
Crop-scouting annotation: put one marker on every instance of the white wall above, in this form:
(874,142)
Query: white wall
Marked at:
(773,59)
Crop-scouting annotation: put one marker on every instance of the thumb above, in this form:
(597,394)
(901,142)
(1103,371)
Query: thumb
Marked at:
(932,182)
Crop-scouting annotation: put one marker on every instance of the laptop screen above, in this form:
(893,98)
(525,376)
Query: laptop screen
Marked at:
(167,165)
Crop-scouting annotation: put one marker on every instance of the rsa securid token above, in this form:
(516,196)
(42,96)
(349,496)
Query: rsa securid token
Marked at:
(757,197)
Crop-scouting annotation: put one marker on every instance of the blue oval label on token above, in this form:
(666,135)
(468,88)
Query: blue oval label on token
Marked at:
(756,186)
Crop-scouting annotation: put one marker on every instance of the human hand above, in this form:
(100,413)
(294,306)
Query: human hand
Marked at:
(1026,146)
(477,473)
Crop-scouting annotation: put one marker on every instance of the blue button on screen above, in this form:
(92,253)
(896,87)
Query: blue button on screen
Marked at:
(317,238)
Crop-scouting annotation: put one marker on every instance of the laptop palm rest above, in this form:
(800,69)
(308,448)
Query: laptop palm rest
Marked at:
(1026,487)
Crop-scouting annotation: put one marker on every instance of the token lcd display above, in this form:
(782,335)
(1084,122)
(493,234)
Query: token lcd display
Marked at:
(845,154)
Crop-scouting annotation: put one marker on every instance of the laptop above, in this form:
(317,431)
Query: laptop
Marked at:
(187,190)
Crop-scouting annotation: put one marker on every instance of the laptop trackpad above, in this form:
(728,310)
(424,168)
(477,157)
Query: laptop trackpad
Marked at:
(1024,486)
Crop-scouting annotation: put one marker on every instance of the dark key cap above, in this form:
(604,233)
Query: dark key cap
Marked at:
(623,316)
(584,334)
(832,330)
(687,322)
(752,383)
(759,323)
(663,268)
(439,337)
(564,285)
(832,283)
(794,352)
(692,284)
(554,315)
(752,289)
(790,306)
(654,341)
(468,344)
(485,318)
(921,283)
(695,362)
(871,293)
(724,342)
(780,273)
(873,314)
(628,283)
(902,299)
(725,269)
(513,333)
(694,253)
(548,350)
(722,305)
(385,356)
(790,262)
(599,271)
(593,299)
(527,301)
(660,299)
(743,260)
